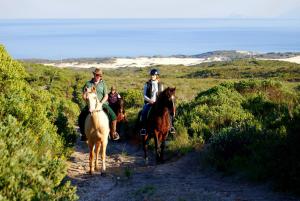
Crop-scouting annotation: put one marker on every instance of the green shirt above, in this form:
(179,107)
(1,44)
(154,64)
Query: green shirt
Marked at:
(100,88)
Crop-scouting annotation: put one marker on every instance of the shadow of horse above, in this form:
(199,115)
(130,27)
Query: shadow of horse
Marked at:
(158,123)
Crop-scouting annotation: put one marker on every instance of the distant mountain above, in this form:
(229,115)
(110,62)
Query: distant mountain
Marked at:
(219,55)
(278,55)
(227,54)
(235,54)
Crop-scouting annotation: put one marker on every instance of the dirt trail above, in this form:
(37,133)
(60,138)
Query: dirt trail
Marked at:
(129,179)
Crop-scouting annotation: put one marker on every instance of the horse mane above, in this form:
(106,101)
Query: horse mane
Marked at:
(163,100)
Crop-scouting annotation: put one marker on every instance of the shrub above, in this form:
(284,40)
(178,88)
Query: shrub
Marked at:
(132,98)
(32,153)
(249,126)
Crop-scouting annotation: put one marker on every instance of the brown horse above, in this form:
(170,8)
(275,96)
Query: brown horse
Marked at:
(119,109)
(158,122)
(96,129)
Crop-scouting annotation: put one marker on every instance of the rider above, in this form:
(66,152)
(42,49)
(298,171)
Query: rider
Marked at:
(101,89)
(113,98)
(151,90)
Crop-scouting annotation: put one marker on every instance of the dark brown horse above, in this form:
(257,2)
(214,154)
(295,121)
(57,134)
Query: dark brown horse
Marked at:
(119,109)
(158,122)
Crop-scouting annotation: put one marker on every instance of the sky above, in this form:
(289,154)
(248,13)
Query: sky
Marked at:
(39,9)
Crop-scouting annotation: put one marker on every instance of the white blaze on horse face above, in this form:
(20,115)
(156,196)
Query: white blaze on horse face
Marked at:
(92,101)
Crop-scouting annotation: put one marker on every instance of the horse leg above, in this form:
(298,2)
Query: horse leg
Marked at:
(97,150)
(104,145)
(91,158)
(162,148)
(145,147)
(157,146)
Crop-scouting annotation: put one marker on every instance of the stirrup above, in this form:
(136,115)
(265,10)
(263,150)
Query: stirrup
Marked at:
(143,131)
(116,136)
(172,130)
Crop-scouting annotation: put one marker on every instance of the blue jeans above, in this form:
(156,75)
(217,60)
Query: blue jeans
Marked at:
(144,114)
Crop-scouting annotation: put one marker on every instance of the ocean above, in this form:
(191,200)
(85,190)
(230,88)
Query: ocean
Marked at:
(78,38)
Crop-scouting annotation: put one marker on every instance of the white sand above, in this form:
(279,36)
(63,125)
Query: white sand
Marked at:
(295,59)
(138,62)
(151,61)
(292,59)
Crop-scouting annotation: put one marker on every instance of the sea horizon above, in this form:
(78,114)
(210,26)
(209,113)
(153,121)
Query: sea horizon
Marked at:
(146,37)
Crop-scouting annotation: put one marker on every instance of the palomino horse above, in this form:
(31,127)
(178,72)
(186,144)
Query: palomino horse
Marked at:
(158,122)
(96,129)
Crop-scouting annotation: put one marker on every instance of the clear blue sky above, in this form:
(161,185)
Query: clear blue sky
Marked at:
(149,9)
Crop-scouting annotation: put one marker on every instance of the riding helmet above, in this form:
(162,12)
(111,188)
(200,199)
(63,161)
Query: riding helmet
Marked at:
(154,72)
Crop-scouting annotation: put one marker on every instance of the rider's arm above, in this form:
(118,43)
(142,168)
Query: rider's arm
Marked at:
(119,96)
(104,99)
(146,98)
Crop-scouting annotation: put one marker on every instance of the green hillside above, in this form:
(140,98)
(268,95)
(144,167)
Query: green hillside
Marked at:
(243,114)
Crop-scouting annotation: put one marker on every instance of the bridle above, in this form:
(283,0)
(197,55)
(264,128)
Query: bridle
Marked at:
(97,102)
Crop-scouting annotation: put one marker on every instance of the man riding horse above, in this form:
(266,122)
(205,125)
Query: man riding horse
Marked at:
(152,88)
(102,95)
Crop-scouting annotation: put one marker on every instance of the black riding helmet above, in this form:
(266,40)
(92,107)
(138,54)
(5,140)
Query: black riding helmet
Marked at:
(154,72)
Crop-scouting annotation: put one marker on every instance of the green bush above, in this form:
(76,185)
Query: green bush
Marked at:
(132,98)
(32,154)
(288,164)
(250,126)
(213,110)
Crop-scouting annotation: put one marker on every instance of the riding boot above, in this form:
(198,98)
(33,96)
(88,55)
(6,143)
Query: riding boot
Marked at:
(143,128)
(172,128)
(113,131)
(81,121)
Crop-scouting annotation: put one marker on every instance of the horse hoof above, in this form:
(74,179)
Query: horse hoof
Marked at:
(146,161)
(91,172)
(103,174)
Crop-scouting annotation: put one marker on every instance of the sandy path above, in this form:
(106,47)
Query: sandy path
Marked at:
(128,179)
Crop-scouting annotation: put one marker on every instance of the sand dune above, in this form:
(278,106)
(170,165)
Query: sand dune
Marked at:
(295,59)
(292,59)
(137,62)
(151,61)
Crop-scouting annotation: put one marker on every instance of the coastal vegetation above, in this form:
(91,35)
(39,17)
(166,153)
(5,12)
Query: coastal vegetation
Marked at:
(36,131)
(243,115)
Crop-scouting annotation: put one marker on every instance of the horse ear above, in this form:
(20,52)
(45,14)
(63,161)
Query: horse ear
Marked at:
(173,89)
(93,89)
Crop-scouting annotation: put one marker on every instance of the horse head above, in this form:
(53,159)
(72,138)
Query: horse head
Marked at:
(167,98)
(92,99)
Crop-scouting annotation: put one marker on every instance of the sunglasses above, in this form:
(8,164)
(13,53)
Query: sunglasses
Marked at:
(98,75)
